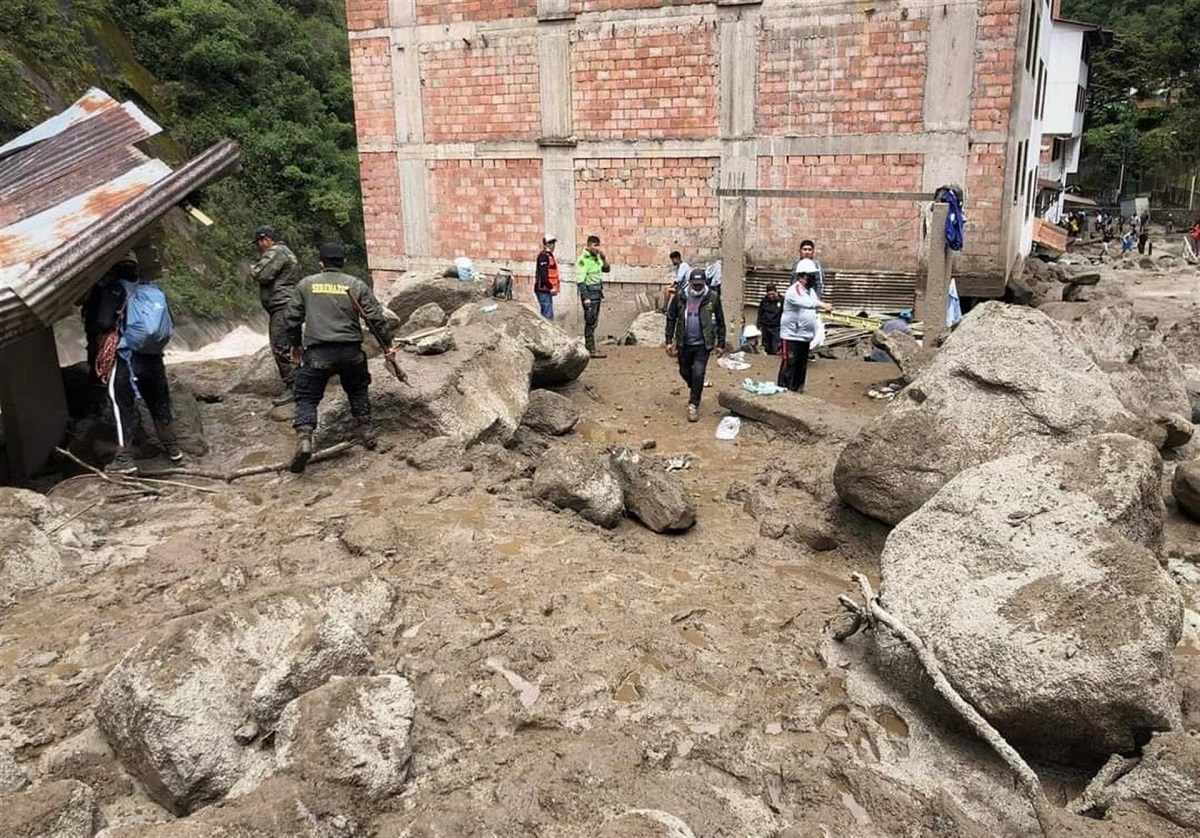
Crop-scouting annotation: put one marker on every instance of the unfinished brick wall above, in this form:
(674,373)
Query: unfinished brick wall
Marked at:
(455,11)
(481,92)
(642,209)
(366,14)
(374,100)
(382,217)
(863,77)
(645,82)
(486,206)
(845,229)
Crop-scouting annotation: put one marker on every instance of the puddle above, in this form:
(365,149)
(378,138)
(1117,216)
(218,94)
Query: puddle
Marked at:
(591,604)
(811,666)
(65,670)
(593,431)
(835,687)
(650,660)
(695,637)
(1187,650)
(510,548)
(777,690)
(254,458)
(628,691)
(681,575)
(890,721)
(498,581)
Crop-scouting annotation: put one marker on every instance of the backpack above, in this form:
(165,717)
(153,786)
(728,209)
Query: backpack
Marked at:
(148,324)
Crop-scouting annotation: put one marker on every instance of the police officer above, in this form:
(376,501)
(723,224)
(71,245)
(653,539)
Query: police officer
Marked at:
(332,345)
(276,272)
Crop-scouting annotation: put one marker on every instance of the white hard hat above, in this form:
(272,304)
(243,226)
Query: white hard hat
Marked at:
(751,331)
(548,237)
(806,266)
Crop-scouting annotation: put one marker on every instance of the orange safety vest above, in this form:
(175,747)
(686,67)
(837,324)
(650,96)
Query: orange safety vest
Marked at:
(551,274)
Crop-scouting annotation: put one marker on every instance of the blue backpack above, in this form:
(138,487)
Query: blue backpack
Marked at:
(148,324)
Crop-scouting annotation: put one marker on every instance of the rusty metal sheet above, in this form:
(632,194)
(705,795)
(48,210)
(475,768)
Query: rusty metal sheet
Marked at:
(94,101)
(873,291)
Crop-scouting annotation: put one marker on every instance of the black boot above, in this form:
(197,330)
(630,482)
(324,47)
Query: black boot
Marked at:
(303,453)
(364,432)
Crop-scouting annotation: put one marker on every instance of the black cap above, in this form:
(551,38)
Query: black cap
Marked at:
(330,252)
(698,274)
(264,233)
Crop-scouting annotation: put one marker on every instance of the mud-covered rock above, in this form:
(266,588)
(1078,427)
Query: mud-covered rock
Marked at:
(580,481)
(257,375)
(428,316)
(415,292)
(651,495)
(648,329)
(12,774)
(182,710)
(429,342)
(646,823)
(558,358)
(1185,487)
(550,413)
(87,757)
(1035,580)
(476,394)
(64,809)
(352,732)
(902,348)
(437,453)
(804,416)
(1008,380)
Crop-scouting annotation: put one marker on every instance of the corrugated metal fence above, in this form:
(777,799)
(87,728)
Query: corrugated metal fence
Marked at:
(875,291)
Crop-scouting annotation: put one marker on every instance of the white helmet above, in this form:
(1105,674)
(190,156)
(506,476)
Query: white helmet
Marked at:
(806,266)
(751,331)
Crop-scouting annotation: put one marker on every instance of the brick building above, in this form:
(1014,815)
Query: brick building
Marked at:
(727,129)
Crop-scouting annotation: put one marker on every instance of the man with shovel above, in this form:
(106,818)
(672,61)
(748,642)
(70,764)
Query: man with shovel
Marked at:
(328,306)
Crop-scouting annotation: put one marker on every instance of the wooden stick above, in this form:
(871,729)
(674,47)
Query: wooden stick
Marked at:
(62,524)
(120,479)
(249,471)
(204,489)
(874,613)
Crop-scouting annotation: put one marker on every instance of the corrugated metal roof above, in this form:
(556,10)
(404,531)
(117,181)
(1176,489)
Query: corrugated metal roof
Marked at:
(74,193)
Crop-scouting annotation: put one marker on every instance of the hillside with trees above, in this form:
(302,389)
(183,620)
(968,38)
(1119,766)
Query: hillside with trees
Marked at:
(1143,113)
(272,74)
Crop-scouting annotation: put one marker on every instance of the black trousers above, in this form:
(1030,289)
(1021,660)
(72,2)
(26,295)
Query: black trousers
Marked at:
(140,375)
(693,363)
(322,362)
(281,347)
(793,365)
(770,340)
(591,296)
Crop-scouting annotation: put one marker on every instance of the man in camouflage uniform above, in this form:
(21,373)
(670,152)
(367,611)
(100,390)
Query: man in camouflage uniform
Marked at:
(277,272)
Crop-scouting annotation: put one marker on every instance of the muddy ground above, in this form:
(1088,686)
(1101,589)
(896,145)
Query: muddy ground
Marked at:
(690,674)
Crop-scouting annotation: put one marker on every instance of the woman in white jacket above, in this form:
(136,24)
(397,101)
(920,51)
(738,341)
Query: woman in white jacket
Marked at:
(798,326)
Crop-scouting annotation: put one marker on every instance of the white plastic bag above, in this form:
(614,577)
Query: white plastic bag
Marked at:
(729,428)
(818,336)
(465,268)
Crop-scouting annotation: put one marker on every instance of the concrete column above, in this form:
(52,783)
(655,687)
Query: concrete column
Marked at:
(933,285)
(33,403)
(948,91)
(558,200)
(738,68)
(554,76)
(415,207)
(402,13)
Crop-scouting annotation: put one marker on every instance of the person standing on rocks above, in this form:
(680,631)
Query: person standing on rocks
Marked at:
(798,325)
(695,329)
(770,309)
(591,267)
(545,280)
(325,310)
(276,272)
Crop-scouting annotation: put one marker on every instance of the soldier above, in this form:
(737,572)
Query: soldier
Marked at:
(276,271)
(324,304)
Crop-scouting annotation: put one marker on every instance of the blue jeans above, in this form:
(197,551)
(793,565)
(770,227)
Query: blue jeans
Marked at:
(546,304)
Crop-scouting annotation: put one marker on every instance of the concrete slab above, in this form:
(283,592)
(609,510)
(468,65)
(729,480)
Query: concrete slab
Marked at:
(793,413)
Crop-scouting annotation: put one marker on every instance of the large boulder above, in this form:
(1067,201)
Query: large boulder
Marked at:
(352,732)
(39,548)
(793,413)
(1008,380)
(550,413)
(428,316)
(558,358)
(182,711)
(580,481)
(1185,487)
(257,375)
(1166,780)
(648,329)
(651,495)
(1144,372)
(1035,580)
(903,348)
(64,809)
(412,293)
(477,393)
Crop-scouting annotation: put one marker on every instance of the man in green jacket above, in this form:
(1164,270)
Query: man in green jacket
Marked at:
(589,269)
(695,329)
(332,345)
(276,272)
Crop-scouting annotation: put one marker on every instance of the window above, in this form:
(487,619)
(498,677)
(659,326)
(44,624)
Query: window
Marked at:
(1019,180)
(1033,27)
(1040,107)
(1080,99)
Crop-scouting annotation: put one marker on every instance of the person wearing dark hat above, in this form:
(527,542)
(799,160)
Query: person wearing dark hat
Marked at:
(276,272)
(545,280)
(695,329)
(325,336)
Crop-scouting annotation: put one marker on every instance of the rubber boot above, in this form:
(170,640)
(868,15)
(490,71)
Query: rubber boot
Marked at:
(169,442)
(303,453)
(364,432)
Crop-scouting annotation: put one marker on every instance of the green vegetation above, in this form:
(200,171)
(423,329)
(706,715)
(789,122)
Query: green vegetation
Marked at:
(272,74)
(1143,116)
